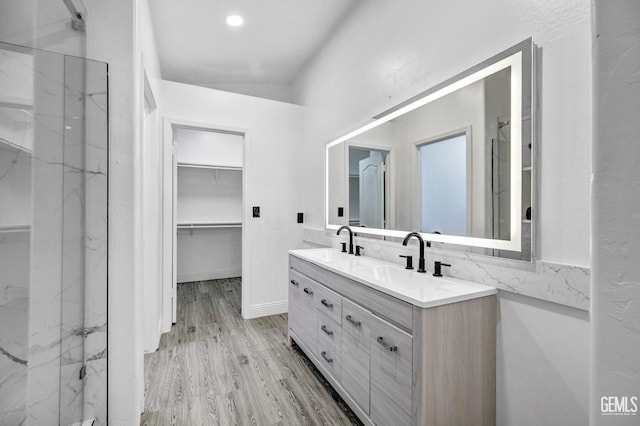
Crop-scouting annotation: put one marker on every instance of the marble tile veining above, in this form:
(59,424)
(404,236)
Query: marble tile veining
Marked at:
(564,284)
(53,243)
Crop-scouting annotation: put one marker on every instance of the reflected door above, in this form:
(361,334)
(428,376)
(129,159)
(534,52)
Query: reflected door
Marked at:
(371,172)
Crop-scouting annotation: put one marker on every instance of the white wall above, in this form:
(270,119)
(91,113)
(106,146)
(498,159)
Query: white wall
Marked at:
(153,317)
(209,254)
(271,169)
(543,361)
(111,38)
(615,283)
(388,51)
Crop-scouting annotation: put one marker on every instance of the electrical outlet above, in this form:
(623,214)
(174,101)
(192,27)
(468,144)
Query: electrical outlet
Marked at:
(340,211)
(256,211)
(300,217)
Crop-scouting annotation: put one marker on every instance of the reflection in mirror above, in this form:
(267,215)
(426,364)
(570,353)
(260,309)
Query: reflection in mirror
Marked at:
(367,189)
(444,185)
(453,164)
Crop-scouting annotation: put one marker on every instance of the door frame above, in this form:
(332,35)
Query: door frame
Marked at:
(170,272)
(389,183)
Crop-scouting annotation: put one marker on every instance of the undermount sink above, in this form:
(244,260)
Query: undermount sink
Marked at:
(419,289)
(326,255)
(389,274)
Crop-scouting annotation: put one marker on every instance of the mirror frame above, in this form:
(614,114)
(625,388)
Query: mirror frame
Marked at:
(520,59)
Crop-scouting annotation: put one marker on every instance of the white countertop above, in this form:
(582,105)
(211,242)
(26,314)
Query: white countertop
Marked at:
(422,290)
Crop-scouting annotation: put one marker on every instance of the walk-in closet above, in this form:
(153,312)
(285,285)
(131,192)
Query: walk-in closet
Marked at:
(208,204)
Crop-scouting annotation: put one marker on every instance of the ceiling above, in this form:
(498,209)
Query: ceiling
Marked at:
(277,39)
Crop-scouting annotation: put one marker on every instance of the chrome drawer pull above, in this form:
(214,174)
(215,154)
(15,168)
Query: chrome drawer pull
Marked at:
(324,328)
(327,304)
(324,355)
(386,345)
(352,321)
(294,282)
(309,292)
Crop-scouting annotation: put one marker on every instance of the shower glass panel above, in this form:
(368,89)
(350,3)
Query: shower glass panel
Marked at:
(53,238)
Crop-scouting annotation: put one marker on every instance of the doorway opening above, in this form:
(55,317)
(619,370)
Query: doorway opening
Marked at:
(368,192)
(208,205)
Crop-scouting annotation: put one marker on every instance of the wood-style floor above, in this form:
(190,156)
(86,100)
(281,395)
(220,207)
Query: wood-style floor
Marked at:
(214,368)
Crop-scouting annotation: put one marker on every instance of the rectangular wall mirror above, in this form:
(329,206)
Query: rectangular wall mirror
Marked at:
(453,163)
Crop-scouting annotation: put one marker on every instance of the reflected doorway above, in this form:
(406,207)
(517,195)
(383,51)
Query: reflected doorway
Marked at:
(368,194)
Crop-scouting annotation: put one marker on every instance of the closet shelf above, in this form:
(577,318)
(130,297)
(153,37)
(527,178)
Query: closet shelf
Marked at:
(15,228)
(209,225)
(208,166)
(13,146)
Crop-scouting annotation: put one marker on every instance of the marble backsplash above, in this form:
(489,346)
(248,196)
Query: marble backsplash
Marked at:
(562,284)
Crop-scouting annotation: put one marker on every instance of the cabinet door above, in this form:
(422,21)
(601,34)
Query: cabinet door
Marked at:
(302,312)
(391,364)
(356,323)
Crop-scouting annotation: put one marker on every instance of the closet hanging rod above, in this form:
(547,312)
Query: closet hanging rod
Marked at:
(204,225)
(206,166)
(15,228)
(14,146)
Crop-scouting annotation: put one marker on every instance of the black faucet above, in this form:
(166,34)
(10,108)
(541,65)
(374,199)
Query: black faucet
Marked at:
(437,268)
(350,237)
(421,259)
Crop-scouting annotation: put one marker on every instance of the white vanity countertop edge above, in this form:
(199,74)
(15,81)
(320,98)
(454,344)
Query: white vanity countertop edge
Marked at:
(421,290)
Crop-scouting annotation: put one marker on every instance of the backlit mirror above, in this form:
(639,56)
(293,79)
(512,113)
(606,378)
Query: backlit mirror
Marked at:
(453,163)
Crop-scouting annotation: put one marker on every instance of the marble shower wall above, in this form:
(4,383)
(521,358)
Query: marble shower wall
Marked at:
(15,166)
(58,318)
(16,135)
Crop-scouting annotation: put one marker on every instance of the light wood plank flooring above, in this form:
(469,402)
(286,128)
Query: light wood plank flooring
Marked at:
(214,368)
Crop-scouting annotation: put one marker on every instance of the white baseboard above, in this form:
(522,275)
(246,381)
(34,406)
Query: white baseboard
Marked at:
(266,309)
(205,276)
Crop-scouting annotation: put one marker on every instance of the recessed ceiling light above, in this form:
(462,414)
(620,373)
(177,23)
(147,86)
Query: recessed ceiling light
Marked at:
(235,20)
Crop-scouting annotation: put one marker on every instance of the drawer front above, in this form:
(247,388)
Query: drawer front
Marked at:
(329,302)
(356,368)
(391,364)
(329,345)
(356,321)
(304,286)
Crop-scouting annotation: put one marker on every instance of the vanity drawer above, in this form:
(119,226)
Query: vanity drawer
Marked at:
(329,350)
(303,286)
(356,321)
(329,302)
(391,365)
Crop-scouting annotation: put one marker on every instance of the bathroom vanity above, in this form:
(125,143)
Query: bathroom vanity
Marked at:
(400,347)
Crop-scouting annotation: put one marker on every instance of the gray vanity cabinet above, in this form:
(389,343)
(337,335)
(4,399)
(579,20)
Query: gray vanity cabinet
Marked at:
(392,362)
